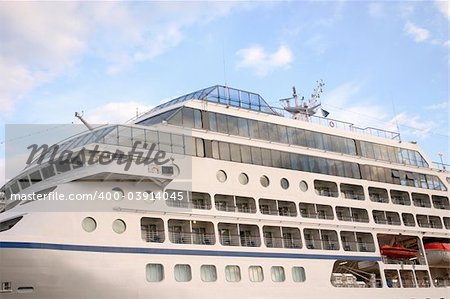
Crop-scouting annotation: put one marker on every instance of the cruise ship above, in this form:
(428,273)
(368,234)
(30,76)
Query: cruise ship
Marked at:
(218,194)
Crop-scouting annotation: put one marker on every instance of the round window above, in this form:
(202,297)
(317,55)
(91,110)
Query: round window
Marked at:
(284,183)
(221,176)
(264,180)
(119,226)
(89,224)
(243,178)
(303,186)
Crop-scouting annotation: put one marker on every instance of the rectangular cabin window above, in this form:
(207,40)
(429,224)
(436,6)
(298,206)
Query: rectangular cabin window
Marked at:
(208,273)
(298,274)
(235,152)
(276,158)
(224,149)
(188,117)
(48,171)
(154,272)
(233,273)
(198,119)
(273,132)
(35,177)
(222,124)
(233,125)
(24,182)
(212,121)
(215,149)
(243,127)
(246,154)
(254,129)
(256,156)
(255,273)
(282,134)
(266,158)
(263,130)
(182,273)
(200,147)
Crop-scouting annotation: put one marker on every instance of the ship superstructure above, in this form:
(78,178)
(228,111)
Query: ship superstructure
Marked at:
(248,204)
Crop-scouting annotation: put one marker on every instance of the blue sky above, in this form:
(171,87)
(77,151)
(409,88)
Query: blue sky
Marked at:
(109,58)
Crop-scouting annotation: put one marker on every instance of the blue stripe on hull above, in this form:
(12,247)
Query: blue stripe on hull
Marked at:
(191,252)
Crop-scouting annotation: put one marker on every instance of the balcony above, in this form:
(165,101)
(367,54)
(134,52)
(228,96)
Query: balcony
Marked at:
(400,198)
(277,207)
(152,230)
(378,195)
(282,237)
(352,191)
(421,200)
(191,232)
(441,202)
(325,188)
(232,234)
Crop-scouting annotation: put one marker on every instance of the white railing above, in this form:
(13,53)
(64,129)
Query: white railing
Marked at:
(342,125)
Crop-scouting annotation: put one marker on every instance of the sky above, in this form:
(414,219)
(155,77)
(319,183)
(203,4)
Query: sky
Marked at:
(384,64)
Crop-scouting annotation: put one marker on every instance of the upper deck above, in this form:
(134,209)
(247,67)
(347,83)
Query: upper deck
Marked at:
(252,101)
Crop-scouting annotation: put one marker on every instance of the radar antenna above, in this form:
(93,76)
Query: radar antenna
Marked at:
(305,109)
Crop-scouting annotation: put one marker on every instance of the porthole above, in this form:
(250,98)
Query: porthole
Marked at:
(221,176)
(89,224)
(119,226)
(264,180)
(284,183)
(243,178)
(303,186)
(117,193)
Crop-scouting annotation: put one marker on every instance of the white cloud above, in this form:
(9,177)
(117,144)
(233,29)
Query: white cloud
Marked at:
(438,106)
(418,34)
(376,9)
(115,113)
(411,125)
(258,59)
(41,41)
(346,104)
(444,8)
(446,43)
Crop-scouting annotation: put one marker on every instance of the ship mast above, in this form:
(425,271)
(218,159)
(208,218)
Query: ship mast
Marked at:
(306,108)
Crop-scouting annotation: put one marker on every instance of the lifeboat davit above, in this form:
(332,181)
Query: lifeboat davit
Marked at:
(398,251)
(438,254)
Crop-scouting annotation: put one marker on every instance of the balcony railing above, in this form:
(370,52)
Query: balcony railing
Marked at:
(153,236)
(278,242)
(359,246)
(237,240)
(232,208)
(322,244)
(316,215)
(192,238)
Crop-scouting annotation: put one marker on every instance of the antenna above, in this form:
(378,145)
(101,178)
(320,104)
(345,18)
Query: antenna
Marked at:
(305,109)
(396,120)
(80,117)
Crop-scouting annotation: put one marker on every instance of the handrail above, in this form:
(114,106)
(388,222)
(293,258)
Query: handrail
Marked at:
(343,125)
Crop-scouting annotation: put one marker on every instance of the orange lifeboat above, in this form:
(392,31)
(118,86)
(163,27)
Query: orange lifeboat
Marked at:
(398,251)
(438,254)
